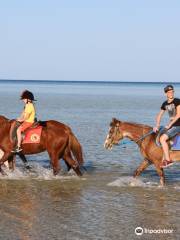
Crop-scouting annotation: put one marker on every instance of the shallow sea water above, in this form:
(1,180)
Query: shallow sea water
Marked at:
(106,203)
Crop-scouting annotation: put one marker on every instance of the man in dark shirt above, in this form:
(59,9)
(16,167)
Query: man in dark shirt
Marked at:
(172,105)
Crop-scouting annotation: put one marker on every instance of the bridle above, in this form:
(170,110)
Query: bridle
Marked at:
(136,141)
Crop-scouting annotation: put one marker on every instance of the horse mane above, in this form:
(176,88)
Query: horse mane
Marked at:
(116,121)
(3,118)
(42,123)
(138,124)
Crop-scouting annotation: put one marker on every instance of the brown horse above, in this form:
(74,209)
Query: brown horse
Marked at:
(56,138)
(151,152)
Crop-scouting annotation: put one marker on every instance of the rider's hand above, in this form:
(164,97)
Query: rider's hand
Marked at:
(155,129)
(19,120)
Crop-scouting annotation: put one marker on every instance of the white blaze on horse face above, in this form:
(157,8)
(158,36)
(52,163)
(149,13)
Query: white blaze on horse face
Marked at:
(106,143)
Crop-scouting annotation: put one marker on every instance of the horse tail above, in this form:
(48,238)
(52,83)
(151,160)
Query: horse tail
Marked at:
(76,149)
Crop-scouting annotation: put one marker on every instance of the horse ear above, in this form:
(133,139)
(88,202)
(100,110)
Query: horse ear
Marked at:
(115,122)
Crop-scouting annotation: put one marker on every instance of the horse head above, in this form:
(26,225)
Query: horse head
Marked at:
(114,134)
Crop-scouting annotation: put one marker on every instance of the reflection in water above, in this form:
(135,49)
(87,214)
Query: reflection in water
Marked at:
(18,209)
(84,209)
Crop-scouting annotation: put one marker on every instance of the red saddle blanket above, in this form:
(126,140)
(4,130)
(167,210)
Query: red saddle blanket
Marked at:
(32,135)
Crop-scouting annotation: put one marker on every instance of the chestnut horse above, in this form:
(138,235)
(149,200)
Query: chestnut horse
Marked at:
(150,151)
(56,138)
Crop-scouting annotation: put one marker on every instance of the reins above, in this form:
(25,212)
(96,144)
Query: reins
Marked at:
(144,136)
(139,139)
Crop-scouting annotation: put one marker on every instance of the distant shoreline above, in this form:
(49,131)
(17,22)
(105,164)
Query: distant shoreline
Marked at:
(81,82)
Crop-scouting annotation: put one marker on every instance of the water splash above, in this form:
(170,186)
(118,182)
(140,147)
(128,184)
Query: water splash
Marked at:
(37,172)
(127,181)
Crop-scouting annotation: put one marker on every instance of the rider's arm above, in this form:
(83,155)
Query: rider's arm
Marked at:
(26,116)
(20,119)
(26,113)
(158,119)
(23,117)
(177,116)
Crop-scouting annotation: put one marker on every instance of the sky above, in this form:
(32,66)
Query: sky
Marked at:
(99,40)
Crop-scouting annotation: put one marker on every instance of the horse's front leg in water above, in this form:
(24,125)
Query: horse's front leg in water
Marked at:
(11,162)
(142,167)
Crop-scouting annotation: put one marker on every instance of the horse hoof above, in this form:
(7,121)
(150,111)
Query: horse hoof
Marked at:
(4,173)
(78,172)
(55,172)
(28,167)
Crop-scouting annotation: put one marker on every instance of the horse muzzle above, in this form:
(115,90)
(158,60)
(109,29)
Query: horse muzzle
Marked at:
(108,145)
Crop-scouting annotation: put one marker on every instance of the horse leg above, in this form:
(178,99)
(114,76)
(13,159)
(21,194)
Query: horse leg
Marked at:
(145,163)
(5,157)
(11,162)
(71,162)
(54,162)
(160,172)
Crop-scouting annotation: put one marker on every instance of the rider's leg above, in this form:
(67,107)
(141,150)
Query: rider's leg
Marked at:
(165,147)
(24,126)
(19,137)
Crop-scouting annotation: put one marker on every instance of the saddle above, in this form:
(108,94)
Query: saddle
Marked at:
(174,143)
(30,135)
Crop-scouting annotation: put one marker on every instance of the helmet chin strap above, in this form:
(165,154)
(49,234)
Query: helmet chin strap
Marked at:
(28,101)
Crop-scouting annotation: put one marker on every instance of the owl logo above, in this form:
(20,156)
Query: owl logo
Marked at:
(35,138)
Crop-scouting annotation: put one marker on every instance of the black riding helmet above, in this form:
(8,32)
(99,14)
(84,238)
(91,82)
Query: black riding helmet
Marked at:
(168,88)
(27,95)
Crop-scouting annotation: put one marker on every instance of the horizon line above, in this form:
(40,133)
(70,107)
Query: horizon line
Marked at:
(83,81)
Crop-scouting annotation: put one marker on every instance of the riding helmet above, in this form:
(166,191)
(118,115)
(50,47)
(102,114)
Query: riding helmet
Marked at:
(27,95)
(168,88)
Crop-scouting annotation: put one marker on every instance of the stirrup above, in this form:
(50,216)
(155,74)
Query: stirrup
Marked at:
(18,149)
(13,150)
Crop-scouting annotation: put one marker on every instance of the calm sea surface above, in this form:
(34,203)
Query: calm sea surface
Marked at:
(103,204)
